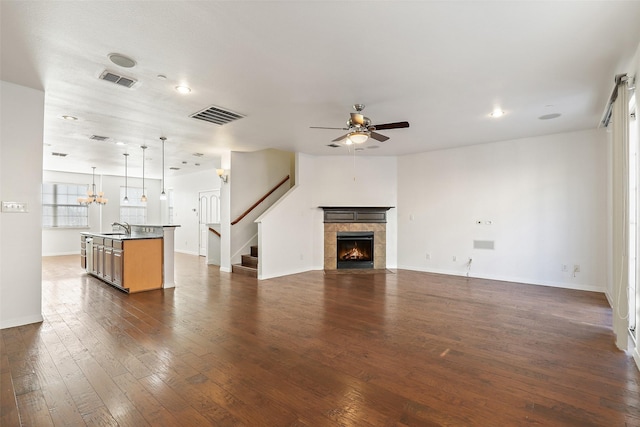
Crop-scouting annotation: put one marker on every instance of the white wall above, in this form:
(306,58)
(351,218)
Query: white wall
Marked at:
(292,231)
(546,198)
(287,230)
(64,241)
(21,137)
(185,193)
(356,181)
(252,176)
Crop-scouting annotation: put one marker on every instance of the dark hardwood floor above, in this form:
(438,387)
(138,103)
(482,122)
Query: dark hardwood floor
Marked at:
(396,349)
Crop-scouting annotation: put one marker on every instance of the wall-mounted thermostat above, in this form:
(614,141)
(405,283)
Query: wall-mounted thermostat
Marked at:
(14,207)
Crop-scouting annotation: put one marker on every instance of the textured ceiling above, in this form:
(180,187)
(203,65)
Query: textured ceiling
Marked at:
(442,66)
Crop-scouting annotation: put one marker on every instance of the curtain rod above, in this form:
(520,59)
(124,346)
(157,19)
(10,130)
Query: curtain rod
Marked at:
(606,118)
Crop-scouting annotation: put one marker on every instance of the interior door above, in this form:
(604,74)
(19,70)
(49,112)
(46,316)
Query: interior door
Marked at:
(209,213)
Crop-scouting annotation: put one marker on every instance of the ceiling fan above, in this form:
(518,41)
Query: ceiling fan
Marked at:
(360,128)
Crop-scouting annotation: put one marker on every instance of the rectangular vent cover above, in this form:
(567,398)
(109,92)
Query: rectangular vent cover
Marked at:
(98,137)
(117,79)
(173,168)
(59,154)
(483,244)
(217,115)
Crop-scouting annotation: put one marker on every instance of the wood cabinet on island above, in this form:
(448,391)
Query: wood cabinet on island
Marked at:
(136,261)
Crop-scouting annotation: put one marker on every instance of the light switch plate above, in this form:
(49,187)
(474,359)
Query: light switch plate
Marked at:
(14,207)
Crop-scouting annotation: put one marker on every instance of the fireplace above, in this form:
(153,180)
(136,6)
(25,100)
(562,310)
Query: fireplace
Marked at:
(355,237)
(354,249)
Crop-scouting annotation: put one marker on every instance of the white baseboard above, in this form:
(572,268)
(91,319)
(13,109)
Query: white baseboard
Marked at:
(20,321)
(525,280)
(63,253)
(187,252)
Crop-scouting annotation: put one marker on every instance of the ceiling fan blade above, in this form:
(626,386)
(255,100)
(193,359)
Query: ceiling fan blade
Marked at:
(378,137)
(357,119)
(322,127)
(396,125)
(340,137)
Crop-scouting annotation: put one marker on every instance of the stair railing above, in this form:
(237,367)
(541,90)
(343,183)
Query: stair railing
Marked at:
(262,199)
(216,232)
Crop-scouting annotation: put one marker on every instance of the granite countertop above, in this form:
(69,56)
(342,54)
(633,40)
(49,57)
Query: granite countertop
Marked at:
(122,236)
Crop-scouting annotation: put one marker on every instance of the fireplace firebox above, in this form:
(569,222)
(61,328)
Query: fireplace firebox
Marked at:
(355,249)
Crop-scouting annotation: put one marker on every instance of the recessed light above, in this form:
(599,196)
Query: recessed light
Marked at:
(121,60)
(71,118)
(197,164)
(120,143)
(161,77)
(183,89)
(497,112)
(549,116)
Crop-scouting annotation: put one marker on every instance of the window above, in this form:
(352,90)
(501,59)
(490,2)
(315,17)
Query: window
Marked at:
(134,212)
(60,207)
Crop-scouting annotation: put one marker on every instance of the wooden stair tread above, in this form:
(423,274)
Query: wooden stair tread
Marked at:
(250,261)
(247,271)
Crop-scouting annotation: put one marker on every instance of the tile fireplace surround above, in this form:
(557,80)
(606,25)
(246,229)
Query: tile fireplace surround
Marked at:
(348,218)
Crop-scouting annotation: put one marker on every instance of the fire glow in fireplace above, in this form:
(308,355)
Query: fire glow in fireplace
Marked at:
(355,249)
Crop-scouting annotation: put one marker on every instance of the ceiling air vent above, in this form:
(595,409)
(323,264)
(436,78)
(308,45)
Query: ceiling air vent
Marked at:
(173,168)
(59,154)
(98,138)
(217,115)
(117,79)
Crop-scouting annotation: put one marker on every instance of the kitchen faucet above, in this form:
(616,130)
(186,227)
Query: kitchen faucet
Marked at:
(126,226)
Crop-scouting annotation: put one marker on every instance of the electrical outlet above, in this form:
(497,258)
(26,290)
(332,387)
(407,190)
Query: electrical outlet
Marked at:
(576,268)
(454,258)
(565,268)
(14,207)
(428,256)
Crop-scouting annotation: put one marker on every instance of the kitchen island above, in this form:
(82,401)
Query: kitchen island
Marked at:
(140,259)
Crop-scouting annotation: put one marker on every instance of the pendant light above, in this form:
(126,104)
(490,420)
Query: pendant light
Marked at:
(92,195)
(126,176)
(163,195)
(144,197)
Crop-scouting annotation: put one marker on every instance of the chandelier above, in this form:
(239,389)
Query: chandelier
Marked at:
(92,196)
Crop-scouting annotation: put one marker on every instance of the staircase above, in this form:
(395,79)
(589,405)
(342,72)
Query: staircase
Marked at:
(249,266)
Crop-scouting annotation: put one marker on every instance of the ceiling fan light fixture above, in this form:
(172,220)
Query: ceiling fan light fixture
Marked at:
(358,137)
(497,112)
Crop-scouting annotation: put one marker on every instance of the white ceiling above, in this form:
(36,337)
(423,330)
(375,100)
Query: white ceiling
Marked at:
(442,66)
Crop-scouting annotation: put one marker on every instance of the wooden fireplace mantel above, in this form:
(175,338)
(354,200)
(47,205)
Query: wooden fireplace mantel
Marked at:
(355,214)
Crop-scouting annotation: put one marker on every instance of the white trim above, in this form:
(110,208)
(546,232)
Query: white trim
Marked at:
(62,253)
(243,247)
(187,252)
(20,321)
(523,280)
